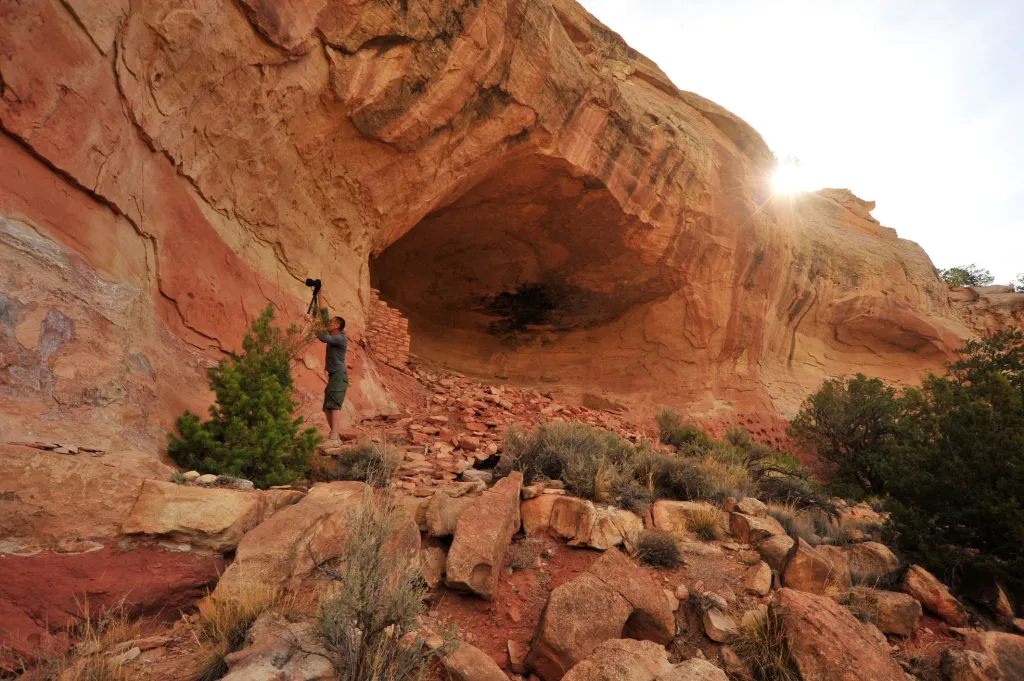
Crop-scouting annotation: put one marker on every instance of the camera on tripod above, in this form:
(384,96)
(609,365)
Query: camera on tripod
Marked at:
(315,284)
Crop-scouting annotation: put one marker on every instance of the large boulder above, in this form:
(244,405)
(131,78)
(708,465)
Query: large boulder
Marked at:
(934,596)
(613,599)
(814,571)
(753,507)
(827,643)
(214,519)
(482,535)
(694,669)
(751,529)
(758,579)
(443,512)
(284,549)
(871,563)
(893,613)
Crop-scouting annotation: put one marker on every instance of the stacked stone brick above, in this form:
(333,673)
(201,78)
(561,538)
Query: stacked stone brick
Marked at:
(387,333)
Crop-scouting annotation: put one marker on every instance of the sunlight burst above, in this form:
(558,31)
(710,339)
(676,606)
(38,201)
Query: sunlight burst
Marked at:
(790,177)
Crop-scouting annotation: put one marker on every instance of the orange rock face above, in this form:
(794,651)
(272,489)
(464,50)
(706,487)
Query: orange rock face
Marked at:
(535,197)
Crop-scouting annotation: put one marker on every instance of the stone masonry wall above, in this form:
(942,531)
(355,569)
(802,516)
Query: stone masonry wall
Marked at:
(387,333)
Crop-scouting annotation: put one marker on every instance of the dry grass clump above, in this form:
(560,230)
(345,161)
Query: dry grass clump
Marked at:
(706,523)
(523,553)
(673,431)
(369,462)
(657,548)
(370,626)
(94,654)
(224,623)
(761,644)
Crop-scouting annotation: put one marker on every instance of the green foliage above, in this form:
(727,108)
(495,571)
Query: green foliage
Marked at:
(850,423)
(966,275)
(252,432)
(658,548)
(948,457)
(370,626)
(958,465)
(672,431)
(1018,283)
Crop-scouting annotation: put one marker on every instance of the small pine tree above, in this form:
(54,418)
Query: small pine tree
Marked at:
(252,432)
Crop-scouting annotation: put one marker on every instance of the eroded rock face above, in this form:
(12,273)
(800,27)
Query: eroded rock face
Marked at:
(934,596)
(535,196)
(826,642)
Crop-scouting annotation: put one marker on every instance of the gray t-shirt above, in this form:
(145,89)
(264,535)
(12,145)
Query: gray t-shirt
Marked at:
(337,346)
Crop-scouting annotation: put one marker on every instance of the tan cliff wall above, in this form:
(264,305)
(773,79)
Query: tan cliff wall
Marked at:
(170,168)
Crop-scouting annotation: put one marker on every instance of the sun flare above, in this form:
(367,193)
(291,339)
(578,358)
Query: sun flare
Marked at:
(790,177)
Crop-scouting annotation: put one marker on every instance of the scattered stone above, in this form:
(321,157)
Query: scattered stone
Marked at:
(827,643)
(621,660)
(934,596)
(758,579)
(893,613)
(718,626)
(207,479)
(517,654)
(673,602)
(473,475)
(482,535)
(468,663)
(432,562)
(694,670)
(191,476)
(774,550)
(682,593)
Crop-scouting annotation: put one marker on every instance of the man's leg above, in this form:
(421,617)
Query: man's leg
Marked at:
(336,421)
(327,416)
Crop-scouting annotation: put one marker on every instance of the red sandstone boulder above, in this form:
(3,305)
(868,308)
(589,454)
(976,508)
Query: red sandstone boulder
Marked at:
(893,613)
(613,599)
(750,529)
(774,550)
(987,656)
(871,562)
(482,535)
(622,660)
(934,596)
(468,663)
(827,643)
(814,571)
(673,516)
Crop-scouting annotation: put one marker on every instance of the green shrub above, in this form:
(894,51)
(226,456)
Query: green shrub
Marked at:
(851,424)
(370,462)
(592,462)
(370,626)
(672,431)
(966,275)
(658,548)
(252,432)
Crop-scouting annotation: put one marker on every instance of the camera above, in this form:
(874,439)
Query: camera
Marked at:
(314,284)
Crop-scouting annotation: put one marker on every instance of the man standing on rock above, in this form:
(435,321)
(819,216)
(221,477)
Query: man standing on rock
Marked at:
(337,375)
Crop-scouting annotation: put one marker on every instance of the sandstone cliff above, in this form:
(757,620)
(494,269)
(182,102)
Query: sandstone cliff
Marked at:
(534,195)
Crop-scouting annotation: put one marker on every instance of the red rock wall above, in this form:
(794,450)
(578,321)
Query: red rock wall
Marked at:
(387,332)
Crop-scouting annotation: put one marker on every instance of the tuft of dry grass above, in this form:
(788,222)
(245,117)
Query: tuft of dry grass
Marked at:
(760,643)
(93,655)
(224,623)
(705,523)
(370,462)
(658,548)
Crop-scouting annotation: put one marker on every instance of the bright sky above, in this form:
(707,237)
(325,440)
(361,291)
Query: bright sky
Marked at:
(918,105)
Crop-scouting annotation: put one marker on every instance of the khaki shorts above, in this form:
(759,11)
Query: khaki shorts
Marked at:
(334,394)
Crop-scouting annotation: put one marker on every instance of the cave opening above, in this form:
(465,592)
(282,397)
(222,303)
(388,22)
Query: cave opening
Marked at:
(528,256)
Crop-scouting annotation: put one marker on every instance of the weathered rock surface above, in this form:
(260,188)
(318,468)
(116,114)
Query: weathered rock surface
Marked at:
(987,656)
(813,569)
(753,529)
(934,596)
(893,613)
(871,563)
(284,549)
(276,649)
(718,626)
(613,599)
(827,643)
(468,663)
(151,169)
(443,513)
(758,579)
(482,534)
(622,660)
(774,550)
(579,521)
(214,519)
(672,516)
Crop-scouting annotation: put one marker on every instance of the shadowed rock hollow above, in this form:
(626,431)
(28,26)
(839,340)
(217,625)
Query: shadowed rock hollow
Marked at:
(537,197)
